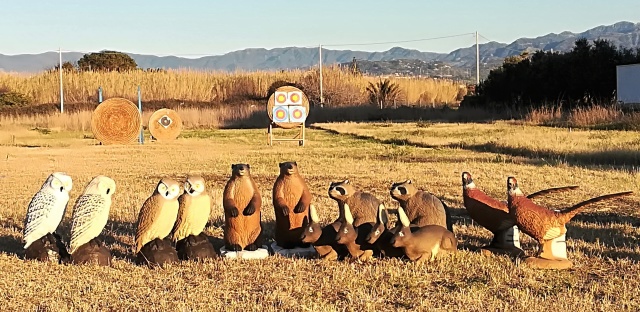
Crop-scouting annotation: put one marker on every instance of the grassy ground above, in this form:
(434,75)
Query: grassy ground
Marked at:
(603,242)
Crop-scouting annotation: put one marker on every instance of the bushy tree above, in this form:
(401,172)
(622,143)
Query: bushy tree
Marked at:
(107,61)
(583,76)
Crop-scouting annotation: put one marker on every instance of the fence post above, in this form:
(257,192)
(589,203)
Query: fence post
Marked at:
(99,95)
(140,109)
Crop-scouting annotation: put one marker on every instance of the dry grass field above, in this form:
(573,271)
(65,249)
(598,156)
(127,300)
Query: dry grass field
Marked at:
(340,87)
(603,241)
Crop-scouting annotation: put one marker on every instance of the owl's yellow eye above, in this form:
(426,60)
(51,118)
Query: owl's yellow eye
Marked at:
(198,186)
(175,189)
(162,188)
(56,184)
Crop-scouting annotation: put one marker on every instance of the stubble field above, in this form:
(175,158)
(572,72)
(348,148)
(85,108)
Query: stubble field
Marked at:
(603,242)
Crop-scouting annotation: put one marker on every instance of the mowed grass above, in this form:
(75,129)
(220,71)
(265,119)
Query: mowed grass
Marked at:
(603,242)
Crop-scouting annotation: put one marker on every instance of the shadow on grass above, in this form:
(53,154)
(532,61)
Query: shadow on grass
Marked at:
(621,159)
(364,113)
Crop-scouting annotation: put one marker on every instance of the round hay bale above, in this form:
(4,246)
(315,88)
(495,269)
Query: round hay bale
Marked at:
(165,124)
(116,121)
(303,101)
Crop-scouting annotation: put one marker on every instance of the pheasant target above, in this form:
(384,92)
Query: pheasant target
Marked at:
(116,121)
(165,124)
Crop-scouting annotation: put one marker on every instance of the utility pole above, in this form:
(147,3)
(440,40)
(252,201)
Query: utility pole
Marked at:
(477,61)
(320,65)
(60,70)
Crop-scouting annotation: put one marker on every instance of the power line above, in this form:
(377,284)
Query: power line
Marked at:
(390,42)
(505,47)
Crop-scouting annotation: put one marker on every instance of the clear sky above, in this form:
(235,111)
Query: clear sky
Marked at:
(198,27)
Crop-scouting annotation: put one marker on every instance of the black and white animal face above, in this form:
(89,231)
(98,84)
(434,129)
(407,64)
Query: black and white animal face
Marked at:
(341,190)
(401,191)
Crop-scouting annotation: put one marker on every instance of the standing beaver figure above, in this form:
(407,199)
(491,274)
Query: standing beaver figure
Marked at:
(291,200)
(241,202)
(363,205)
(421,207)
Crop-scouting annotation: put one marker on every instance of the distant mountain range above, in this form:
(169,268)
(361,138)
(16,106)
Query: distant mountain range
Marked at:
(625,34)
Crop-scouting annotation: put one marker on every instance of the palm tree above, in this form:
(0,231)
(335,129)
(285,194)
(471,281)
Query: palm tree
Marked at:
(383,92)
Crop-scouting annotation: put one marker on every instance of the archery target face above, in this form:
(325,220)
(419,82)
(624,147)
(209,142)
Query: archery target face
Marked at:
(281,98)
(165,121)
(295,97)
(280,114)
(297,113)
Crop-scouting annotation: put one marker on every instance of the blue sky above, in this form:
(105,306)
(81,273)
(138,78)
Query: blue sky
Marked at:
(197,27)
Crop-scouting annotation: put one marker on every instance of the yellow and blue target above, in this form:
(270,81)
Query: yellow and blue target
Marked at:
(297,113)
(280,113)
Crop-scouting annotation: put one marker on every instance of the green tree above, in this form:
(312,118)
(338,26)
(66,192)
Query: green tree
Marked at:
(107,61)
(383,93)
(66,66)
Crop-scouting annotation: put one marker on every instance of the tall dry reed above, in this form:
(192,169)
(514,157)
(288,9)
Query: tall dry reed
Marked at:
(339,86)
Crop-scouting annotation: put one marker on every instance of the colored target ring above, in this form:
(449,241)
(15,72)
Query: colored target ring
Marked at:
(280,114)
(165,121)
(295,97)
(281,98)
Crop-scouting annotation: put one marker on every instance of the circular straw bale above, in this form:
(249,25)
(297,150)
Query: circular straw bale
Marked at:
(271,103)
(165,124)
(116,121)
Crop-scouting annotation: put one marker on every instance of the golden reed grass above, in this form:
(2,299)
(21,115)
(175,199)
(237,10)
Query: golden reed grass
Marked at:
(339,86)
(588,117)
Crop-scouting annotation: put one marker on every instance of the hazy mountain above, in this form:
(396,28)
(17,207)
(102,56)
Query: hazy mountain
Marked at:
(625,34)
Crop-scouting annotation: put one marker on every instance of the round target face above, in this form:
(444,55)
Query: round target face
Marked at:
(165,121)
(281,98)
(280,114)
(297,113)
(295,97)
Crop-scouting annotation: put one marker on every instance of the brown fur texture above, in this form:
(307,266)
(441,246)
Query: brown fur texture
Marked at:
(540,223)
(323,239)
(291,200)
(195,247)
(242,209)
(48,248)
(355,238)
(92,252)
(422,208)
(364,206)
(490,213)
(381,234)
(157,253)
(425,243)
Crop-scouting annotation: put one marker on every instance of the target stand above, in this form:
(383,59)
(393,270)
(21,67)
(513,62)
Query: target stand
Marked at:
(288,108)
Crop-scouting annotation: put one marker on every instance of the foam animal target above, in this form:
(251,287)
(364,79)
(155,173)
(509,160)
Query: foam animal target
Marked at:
(281,114)
(297,113)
